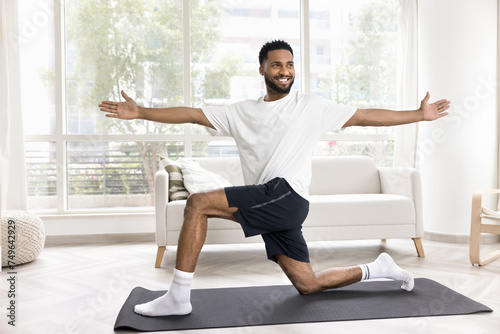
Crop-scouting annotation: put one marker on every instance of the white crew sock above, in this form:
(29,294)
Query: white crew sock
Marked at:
(177,300)
(385,267)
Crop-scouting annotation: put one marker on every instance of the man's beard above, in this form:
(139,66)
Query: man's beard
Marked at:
(277,89)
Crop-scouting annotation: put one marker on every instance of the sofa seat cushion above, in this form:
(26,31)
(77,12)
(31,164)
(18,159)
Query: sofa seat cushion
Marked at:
(360,209)
(328,210)
(175,217)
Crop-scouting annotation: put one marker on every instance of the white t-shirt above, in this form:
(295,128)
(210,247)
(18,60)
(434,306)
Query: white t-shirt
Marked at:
(276,139)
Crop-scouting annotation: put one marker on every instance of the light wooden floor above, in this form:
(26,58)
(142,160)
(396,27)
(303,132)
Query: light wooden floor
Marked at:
(80,289)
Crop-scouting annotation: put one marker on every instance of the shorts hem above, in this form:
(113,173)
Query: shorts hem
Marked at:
(272,257)
(244,226)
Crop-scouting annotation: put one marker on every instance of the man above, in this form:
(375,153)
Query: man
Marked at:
(275,136)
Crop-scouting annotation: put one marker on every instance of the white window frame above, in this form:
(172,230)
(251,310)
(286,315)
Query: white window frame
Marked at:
(61,138)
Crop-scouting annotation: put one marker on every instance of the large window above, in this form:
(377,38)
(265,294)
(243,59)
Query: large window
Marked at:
(353,49)
(76,53)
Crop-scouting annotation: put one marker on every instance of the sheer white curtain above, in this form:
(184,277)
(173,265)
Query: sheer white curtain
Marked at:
(406,143)
(12,164)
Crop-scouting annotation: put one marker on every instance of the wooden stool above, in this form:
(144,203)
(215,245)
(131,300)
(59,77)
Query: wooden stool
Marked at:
(477,227)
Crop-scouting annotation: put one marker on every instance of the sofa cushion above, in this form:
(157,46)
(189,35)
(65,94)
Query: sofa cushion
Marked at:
(198,179)
(228,167)
(176,188)
(344,175)
(360,209)
(329,210)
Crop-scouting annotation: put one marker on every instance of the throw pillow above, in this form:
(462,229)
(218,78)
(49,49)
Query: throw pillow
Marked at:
(197,179)
(176,189)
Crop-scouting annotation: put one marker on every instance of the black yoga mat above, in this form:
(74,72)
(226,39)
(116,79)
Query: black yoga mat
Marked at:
(272,305)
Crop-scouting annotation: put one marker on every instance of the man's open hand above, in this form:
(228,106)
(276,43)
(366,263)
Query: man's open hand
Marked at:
(433,111)
(123,110)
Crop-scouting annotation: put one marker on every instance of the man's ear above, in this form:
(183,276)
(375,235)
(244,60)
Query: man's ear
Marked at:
(261,70)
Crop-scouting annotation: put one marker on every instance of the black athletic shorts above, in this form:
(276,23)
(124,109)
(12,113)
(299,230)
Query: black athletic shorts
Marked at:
(275,211)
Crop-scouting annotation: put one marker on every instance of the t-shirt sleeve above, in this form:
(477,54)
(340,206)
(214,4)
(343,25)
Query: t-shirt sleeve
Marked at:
(218,116)
(335,115)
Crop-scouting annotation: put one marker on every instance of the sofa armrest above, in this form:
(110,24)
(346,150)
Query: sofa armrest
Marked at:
(404,181)
(161,200)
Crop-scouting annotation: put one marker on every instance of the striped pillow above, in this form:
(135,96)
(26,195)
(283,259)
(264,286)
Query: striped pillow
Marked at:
(176,189)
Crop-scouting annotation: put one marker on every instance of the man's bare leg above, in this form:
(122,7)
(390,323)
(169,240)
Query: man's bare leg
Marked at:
(306,281)
(199,208)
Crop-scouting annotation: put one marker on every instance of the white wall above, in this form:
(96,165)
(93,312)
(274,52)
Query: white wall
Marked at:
(457,155)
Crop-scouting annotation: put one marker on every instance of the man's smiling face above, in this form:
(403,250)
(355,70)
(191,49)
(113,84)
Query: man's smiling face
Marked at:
(278,72)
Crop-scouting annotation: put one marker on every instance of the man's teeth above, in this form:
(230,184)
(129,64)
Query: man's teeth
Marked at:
(283,80)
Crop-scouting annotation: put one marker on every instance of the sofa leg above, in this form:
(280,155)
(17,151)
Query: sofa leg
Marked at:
(419,247)
(159,256)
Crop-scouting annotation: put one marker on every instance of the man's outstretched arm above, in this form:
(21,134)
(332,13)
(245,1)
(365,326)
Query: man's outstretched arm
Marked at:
(383,117)
(129,110)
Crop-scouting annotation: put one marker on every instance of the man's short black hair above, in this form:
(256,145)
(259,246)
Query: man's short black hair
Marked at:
(272,46)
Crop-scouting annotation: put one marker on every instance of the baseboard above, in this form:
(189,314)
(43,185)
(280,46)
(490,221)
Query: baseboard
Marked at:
(59,240)
(460,238)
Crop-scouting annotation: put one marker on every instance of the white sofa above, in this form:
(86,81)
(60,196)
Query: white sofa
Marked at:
(351,199)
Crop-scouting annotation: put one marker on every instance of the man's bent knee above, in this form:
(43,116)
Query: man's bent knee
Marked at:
(308,289)
(197,201)
(209,204)
(197,204)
